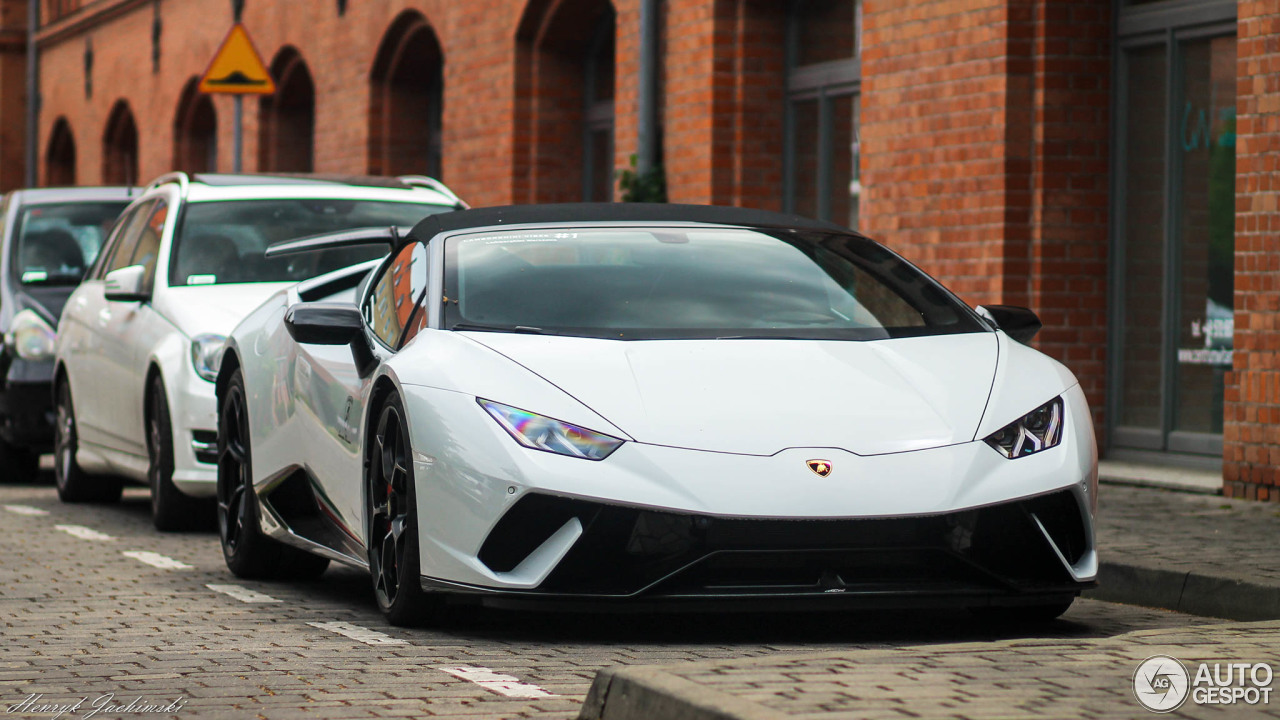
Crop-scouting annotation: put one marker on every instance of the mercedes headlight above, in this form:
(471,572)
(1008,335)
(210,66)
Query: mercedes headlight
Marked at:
(543,433)
(30,337)
(1038,430)
(206,355)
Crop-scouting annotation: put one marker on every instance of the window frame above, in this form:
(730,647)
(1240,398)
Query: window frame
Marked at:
(825,82)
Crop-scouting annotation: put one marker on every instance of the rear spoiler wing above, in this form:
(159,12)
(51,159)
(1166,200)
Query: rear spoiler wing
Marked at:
(390,236)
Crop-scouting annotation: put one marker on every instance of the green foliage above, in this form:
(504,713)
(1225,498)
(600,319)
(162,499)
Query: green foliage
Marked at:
(649,187)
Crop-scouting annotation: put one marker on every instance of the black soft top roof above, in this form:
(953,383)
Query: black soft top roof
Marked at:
(571,213)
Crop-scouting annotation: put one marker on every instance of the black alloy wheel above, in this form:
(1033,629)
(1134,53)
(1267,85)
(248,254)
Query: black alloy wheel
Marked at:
(171,509)
(248,552)
(73,483)
(392,513)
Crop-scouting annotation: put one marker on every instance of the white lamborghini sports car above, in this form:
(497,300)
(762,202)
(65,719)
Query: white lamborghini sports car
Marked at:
(651,404)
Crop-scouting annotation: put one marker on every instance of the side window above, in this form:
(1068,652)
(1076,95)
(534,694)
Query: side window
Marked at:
(395,292)
(109,245)
(149,243)
(127,242)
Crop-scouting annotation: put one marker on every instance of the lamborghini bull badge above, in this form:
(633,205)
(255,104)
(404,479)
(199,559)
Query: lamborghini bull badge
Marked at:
(821,467)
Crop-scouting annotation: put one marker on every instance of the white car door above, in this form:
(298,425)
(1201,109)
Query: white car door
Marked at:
(84,333)
(332,395)
(129,336)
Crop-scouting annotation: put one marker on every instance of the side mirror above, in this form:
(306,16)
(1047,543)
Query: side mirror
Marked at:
(1019,323)
(331,324)
(125,284)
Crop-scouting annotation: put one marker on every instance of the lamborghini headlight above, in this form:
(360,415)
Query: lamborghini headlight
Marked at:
(1038,430)
(543,433)
(30,337)
(206,355)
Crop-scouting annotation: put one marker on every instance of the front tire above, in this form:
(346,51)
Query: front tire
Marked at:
(393,521)
(75,485)
(248,552)
(171,509)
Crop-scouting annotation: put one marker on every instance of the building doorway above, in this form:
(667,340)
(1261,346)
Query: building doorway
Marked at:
(1174,226)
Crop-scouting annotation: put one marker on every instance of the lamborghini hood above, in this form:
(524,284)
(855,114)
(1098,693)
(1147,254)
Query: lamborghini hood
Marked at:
(758,397)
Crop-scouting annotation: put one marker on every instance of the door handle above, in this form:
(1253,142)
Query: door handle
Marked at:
(104,316)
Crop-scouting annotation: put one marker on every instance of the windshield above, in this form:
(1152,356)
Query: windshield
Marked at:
(223,242)
(642,283)
(56,244)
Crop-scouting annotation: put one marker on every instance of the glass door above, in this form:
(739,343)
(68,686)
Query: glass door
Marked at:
(1175,241)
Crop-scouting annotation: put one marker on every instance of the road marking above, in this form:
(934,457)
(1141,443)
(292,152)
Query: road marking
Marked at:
(496,682)
(83,532)
(243,594)
(156,560)
(359,634)
(25,510)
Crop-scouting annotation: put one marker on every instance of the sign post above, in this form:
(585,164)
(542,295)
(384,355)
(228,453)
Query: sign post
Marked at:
(237,70)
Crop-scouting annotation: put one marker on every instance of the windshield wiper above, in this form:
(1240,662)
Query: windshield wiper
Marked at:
(498,328)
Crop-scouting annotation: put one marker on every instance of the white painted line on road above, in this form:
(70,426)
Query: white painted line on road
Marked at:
(156,560)
(243,594)
(359,634)
(84,533)
(25,510)
(496,682)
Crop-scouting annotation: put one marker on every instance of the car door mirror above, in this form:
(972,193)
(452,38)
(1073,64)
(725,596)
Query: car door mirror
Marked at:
(125,284)
(331,324)
(1019,323)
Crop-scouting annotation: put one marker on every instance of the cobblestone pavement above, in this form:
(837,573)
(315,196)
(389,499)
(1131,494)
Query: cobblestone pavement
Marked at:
(94,602)
(1188,532)
(1012,678)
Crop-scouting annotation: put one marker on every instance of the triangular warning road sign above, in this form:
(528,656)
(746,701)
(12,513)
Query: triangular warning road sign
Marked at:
(237,68)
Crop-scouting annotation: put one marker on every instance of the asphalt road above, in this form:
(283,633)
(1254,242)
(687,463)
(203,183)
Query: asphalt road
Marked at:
(98,608)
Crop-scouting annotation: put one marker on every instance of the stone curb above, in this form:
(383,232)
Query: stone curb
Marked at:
(651,693)
(1191,592)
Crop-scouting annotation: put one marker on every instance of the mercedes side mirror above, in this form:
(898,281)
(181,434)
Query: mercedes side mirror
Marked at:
(125,284)
(1019,323)
(331,324)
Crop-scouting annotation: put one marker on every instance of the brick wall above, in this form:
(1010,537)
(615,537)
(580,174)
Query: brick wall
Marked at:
(13,93)
(1251,433)
(984,136)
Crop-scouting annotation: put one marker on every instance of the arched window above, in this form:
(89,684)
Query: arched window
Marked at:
(565,101)
(60,157)
(287,120)
(195,131)
(405,103)
(120,147)
(823,85)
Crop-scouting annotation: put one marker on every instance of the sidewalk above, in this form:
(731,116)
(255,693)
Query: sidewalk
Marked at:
(1196,553)
(1061,678)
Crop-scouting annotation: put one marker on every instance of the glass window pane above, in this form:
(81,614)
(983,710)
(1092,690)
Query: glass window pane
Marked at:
(57,243)
(1144,173)
(804,169)
(1206,202)
(845,187)
(828,30)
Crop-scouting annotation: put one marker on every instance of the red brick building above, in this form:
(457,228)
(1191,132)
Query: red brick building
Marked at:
(1108,163)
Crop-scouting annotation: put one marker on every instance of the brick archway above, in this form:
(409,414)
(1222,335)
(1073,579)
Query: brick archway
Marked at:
(564,101)
(60,157)
(120,147)
(287,120)
(195,131)
(406,99)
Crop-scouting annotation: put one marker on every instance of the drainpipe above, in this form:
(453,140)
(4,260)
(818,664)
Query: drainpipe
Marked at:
(33,95)
(647,143)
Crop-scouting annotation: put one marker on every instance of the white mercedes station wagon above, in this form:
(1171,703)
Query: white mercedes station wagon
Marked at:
(138,343)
